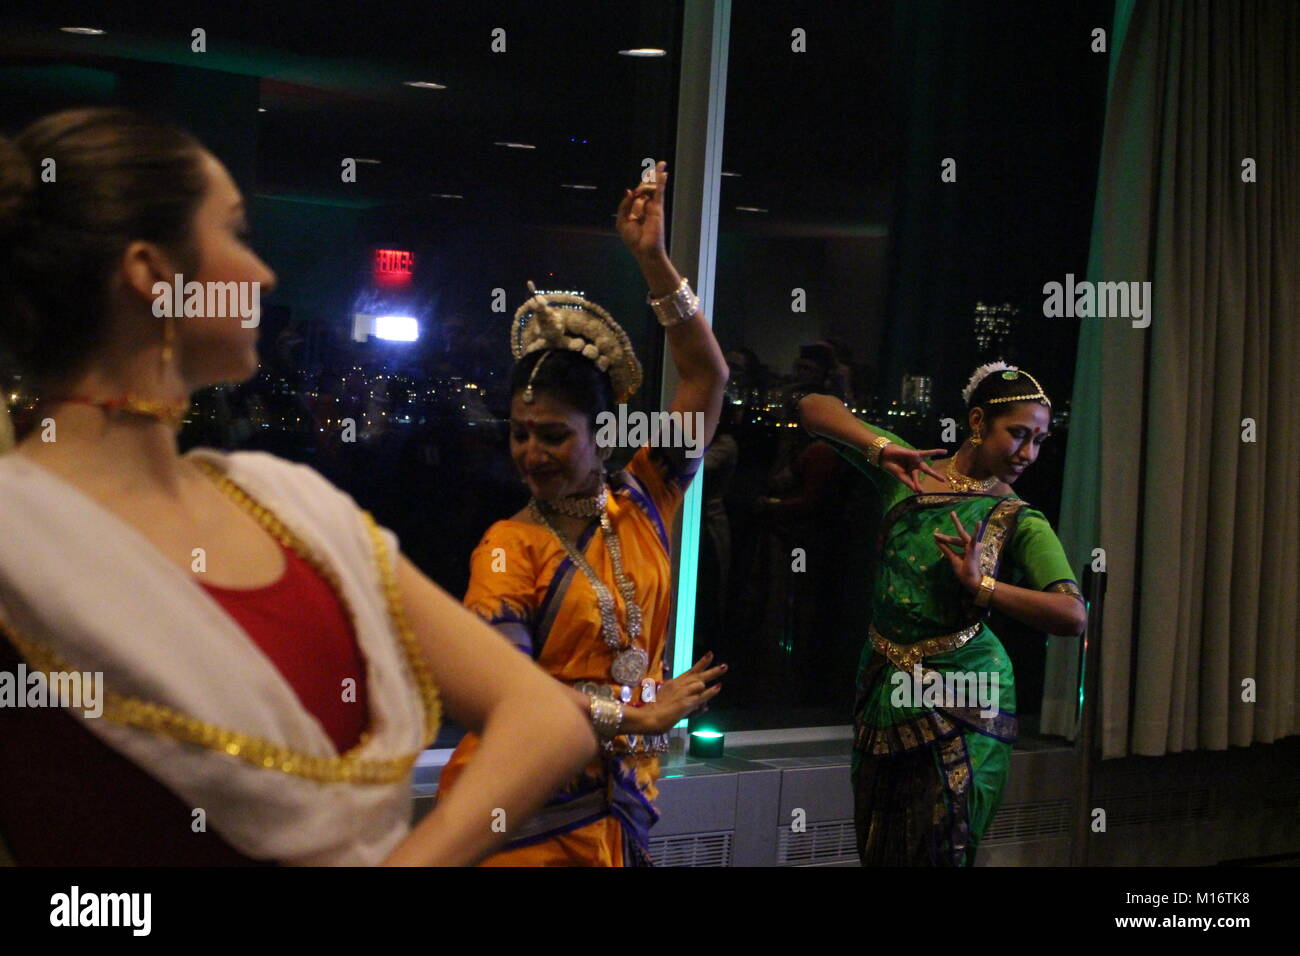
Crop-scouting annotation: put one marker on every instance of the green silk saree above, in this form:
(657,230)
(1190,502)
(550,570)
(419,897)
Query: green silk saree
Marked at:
(935,710)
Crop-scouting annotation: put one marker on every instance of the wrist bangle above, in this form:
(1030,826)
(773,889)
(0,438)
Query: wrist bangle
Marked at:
(676,307)
(875,448)
(606,715)
(985,594)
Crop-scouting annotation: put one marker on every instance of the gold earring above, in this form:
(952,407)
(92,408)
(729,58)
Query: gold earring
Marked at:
(169,339)
(977,437)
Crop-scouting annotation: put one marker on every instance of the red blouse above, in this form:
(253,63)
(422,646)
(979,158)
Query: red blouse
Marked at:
(70,799)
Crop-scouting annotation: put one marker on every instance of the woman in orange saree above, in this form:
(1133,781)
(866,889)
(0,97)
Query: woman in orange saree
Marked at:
(581,578)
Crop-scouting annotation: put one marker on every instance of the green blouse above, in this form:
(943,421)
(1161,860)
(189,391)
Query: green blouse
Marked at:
(916,592)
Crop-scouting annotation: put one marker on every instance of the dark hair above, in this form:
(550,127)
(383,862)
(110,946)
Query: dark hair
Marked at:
(994,385)
(568,376)
(116,177)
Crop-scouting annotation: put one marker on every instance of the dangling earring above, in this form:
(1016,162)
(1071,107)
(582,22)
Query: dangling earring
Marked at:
(977,437)
(169,340)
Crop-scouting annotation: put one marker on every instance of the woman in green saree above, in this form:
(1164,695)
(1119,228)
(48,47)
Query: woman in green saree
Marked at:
(935,713)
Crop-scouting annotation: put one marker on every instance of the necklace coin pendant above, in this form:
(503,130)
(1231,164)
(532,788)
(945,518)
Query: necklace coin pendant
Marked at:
(630,665)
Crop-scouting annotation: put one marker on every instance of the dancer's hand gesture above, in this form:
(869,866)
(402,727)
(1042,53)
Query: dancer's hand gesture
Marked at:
(686,693)
(641,215)
(904,463)
(965,565)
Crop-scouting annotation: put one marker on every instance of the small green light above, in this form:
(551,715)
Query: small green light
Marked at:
(706,743)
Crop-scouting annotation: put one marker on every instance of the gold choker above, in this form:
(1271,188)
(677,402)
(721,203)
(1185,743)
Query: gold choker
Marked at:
(959,482)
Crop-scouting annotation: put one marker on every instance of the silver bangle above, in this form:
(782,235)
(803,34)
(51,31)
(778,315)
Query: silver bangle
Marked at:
(606,715)
(676,307)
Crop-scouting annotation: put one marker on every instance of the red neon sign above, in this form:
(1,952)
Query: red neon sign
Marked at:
(394,265)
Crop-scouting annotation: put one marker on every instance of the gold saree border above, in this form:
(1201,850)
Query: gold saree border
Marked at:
(339,768)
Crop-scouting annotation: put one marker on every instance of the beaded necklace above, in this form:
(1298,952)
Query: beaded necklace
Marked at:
(631,661)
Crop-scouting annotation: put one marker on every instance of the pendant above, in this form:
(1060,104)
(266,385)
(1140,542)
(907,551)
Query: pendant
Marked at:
(648,690)
(630,665)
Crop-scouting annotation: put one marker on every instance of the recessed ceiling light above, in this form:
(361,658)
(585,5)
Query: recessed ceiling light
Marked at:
(727,173)
(446,196)
(261,109)
(424,85)
(576,186)
(643,51)
(516,145)
(750,209)
(83,31)
(369,162)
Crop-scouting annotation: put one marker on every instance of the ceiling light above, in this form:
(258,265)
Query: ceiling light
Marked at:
(83,31)
(576,186)
(424,85)
(515,145)
(446,195)
(643,51)
(750,209)
(261,109)
(727,173)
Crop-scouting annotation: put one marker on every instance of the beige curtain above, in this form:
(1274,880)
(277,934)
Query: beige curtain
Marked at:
(1200,528)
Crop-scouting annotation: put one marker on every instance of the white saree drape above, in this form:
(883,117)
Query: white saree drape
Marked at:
(83,583)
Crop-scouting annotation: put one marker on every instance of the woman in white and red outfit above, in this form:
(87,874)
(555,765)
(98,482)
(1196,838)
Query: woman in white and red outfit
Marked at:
(268,656)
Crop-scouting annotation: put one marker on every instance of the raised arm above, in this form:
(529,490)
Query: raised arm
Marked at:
(827,416)
(695,353)
(534,738)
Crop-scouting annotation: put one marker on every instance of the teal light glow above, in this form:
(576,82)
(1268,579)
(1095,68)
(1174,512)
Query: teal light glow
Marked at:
(706,744)
(688,568)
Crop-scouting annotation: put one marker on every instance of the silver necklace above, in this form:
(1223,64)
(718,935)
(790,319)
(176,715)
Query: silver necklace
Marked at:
(630,662)
(579,506)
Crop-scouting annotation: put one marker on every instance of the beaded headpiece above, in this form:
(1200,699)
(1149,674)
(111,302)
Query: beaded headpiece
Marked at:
(558,320)
(1011,373)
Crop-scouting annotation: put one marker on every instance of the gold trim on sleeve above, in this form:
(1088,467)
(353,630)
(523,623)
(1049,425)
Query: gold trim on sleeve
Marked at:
(1066,587)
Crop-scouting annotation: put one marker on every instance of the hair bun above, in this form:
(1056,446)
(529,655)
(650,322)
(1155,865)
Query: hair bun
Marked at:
(17,187)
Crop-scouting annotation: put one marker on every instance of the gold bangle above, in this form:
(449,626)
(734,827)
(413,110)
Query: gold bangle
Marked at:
(606,715)
(985,595)
(875,449)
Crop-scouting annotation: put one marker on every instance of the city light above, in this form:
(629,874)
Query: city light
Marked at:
(396,328)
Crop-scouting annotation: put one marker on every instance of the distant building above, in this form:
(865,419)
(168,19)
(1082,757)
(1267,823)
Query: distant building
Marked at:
(915,392)
(994,325)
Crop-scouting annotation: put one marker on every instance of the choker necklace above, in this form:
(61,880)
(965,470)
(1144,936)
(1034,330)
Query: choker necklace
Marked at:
(163,411)
(959,482)
(578,506)
(630,661)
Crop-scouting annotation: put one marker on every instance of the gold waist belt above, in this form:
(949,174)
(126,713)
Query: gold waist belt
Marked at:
(907,656)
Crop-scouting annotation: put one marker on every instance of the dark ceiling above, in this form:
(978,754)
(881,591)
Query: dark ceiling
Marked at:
(330,80)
